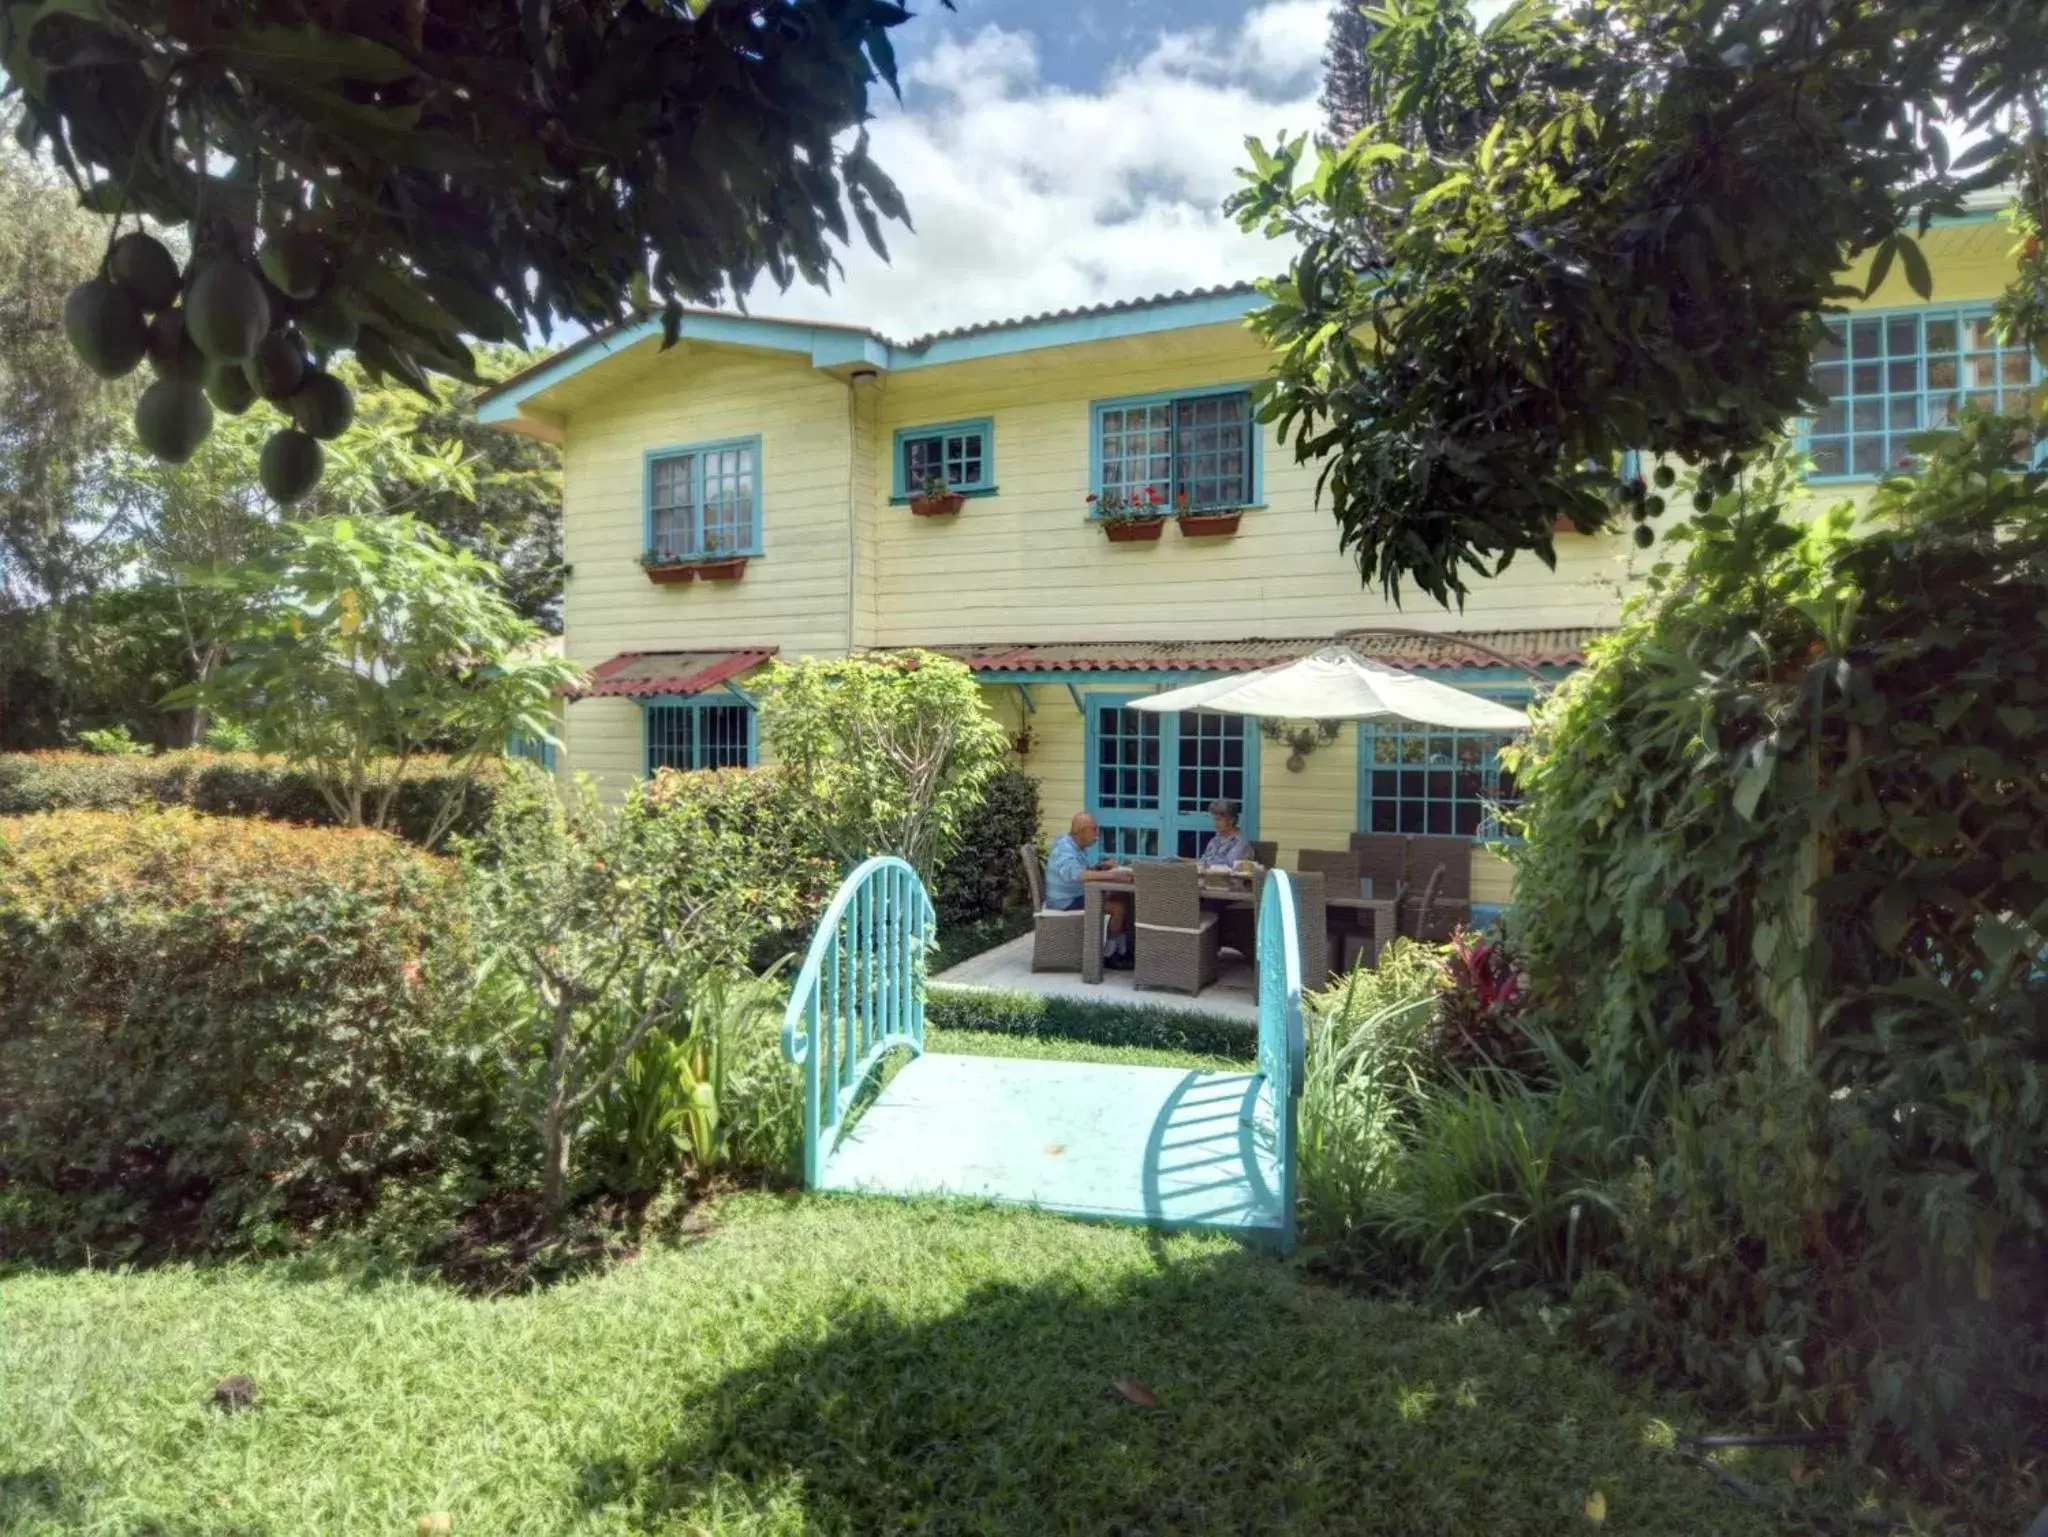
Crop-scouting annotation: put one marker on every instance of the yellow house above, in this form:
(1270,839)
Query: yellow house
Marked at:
(750,493)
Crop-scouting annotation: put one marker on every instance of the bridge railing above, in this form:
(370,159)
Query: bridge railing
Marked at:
(860,994)
(1282,1055)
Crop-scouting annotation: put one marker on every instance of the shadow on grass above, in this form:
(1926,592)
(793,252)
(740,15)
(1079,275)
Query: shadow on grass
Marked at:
(1280,1406)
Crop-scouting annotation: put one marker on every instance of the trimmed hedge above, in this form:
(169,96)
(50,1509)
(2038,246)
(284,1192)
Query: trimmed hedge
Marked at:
(226,784)
(211,1023)
(1105,1024)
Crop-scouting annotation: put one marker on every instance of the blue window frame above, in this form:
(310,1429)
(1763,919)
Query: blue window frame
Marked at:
(963,452)
(1150,778)
(536,749)
(1889,374)
(1425,779)
(704,500)
(696,734)
(1200,442)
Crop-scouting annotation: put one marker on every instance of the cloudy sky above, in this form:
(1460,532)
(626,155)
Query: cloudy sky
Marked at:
(1062,152)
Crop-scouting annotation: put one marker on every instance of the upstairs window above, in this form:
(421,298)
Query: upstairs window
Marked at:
(1199,446)
(704,501)
(1887,377)
(698,735)
(962,453)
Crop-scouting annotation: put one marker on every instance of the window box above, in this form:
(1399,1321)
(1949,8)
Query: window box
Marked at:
(1208,525)
(668,572)
(944,505)
(728,569)
(1132,530)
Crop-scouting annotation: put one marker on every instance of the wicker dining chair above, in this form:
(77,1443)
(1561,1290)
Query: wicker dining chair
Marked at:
(1176,941)
(1055,935)
(1450,905)
(1266,851)
(1383,859)
(1339,865)
(1312,918)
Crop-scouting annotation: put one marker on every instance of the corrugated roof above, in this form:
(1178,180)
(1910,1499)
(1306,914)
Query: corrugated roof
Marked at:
(640,674)
(1114,307)
(1528,648)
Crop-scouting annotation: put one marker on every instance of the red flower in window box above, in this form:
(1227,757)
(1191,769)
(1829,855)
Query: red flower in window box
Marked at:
(1128,518)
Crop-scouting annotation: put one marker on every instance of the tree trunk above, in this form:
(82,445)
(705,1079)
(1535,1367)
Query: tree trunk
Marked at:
(554,1161)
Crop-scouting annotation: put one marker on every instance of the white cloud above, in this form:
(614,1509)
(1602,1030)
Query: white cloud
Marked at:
(1029,196)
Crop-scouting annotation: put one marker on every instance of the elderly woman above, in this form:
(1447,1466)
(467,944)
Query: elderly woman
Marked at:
(1228,846)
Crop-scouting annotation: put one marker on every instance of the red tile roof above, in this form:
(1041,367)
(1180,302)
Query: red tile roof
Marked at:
(1529,648)
(640,674)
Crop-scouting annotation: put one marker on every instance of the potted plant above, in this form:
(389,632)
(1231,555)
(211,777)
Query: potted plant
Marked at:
(664,569)
(1204,525)
(936,499)
(1129,516)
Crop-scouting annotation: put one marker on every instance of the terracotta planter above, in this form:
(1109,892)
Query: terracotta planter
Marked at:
(1208,525)
(661,576)
(722,570)
(1563,526)
(1134,530)
(938,506)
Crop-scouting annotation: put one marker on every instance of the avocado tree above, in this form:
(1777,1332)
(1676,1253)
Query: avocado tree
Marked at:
(391,179)
(1606,226)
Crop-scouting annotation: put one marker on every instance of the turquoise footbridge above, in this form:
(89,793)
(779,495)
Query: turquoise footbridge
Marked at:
(1152,1145)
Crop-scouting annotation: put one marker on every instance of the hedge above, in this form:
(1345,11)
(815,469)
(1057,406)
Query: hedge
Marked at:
(229,784)
(1104,1024)
(210,1023)
(983,876)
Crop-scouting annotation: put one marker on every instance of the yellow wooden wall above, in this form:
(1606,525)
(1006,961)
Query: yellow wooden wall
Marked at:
(794,595)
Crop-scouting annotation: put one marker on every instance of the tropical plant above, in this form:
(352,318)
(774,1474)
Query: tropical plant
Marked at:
(365,643)
(1485,1000)
(1594,228)
(113,742)
(1786,839)
(893,750)
(476,172)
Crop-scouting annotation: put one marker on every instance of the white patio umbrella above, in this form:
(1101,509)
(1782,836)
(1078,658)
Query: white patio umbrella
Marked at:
(1337,683)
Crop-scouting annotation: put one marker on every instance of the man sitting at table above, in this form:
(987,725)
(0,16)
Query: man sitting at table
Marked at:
(1069,867)
(1229,846)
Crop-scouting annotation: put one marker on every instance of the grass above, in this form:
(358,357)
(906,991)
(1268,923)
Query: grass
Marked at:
(833,1365)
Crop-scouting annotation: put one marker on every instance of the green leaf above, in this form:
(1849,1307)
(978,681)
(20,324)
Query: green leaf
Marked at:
(1881,264)
(1918,278)
(309,52)
(1756,778)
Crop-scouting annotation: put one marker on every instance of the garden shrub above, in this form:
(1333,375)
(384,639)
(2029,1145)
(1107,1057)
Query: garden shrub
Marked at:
(236,784)
(208,1024)
(1786,837)
(1104,1024)
(983,876)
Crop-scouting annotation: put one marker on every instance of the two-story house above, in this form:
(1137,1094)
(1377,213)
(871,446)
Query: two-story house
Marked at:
(791,451)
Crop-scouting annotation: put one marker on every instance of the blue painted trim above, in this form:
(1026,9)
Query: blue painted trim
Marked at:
(985,425)
(1124,402)
(834,347)
(1963,311)
(647,459)
(700,703)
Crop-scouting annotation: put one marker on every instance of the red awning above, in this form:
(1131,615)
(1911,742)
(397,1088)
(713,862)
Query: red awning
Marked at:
(641,674)
(1529,648)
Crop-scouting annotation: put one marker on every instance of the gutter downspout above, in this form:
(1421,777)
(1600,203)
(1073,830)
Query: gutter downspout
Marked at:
(870,378)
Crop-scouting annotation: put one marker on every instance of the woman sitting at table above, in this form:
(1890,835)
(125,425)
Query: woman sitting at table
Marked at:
(1229,846)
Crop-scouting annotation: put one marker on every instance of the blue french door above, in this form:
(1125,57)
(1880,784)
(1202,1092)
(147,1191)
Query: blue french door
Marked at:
(1151,777)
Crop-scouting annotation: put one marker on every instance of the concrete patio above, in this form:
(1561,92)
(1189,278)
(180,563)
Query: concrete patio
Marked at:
(1007,968)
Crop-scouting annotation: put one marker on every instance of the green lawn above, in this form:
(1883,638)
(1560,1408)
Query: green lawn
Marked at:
(994,1043)
(821,1364)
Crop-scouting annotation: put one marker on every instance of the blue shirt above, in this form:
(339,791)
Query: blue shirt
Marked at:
(1226,851)
(1063,867)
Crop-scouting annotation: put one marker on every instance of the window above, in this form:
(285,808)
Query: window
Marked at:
(1420,779)
(1889,376)
(697,735)
(704,501)
(1202,445)
(532,748)
(963,452)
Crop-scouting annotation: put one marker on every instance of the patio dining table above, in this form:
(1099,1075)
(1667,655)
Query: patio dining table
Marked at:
(1232,891)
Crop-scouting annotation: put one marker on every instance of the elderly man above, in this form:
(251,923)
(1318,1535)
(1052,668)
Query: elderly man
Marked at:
(1228,846)
(1070,866)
